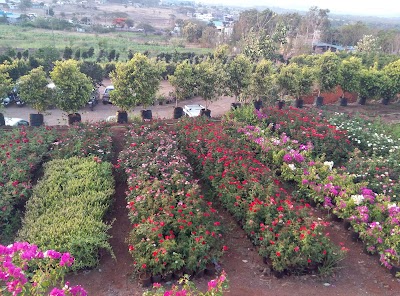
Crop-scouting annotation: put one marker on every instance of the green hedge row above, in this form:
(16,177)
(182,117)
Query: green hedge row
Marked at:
(67,209)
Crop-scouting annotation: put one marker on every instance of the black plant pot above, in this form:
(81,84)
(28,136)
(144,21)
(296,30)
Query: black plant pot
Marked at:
(74,118)
(205,112)
(147,114)
(385,101)
(235,105)
(178,112)
(343,102)
(395,269)
(122,117)
(281,104)
(299,103)
(2,121)
(258,104)
(362,101)
(319,101)
(36,119)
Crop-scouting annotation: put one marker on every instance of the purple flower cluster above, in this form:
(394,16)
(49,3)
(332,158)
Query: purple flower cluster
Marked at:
(14,261)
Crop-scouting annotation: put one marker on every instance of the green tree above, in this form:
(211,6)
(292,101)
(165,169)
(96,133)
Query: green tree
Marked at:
(288,79)
(370,83)
(34,91)
(77,54)
(392,70)
(327,70)
(67,53)
(92,70)
(25,54)
(90,52)
(6,83)
(262,83)
(183,81)
(25,4)
(73,87)
(350,70)
(193,30)
(135,82)
(238,76)
(208,79)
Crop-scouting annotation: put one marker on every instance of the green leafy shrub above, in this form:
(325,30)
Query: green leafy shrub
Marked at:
(66,210)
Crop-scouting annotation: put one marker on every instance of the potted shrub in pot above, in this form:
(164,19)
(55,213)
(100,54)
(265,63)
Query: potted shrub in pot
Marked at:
(135,82)
(34,90)
(391,85)
(327,71)
(350,70)
(370,85)
(73,88)
(238,78)
(183,81)
(263,84)
(5,88)
(208,79)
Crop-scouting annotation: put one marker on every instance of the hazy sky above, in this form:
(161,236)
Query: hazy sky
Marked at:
(358,7)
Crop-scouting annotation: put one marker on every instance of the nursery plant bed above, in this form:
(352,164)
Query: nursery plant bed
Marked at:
(358,274)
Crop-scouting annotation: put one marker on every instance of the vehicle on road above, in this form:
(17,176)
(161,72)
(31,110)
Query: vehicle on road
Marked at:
(106,94)
(94,99)
(11,121)
(193,110)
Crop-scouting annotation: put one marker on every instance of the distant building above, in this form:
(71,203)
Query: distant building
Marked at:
(177,3)
(321,47)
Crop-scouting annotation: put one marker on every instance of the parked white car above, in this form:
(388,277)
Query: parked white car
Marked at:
(15,121)
(193,110)
(106,94)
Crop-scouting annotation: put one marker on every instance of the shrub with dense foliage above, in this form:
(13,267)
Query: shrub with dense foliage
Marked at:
(67,209)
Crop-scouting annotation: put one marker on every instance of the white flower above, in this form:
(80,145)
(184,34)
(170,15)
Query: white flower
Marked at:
(329,164)
(292,166)
(393,205)
(358,198)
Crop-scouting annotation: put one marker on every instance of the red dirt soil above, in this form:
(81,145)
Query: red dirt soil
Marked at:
(358,274)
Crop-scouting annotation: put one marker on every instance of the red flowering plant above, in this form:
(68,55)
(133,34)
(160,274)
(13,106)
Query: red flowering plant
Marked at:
(245,186)
(173,226)
(92,139)
(300,247)
(308,126)
(21,153)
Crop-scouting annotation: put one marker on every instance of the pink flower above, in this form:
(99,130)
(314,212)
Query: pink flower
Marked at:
(212,284)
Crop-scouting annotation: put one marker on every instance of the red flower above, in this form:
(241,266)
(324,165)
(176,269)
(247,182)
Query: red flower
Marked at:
(144,266)
(211,178)
(224,248)
(278,254)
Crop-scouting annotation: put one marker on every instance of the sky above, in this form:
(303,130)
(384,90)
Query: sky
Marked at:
(355,7)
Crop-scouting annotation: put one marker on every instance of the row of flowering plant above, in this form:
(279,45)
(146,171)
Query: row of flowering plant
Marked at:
(216,287)
(365,134)
(283,229)
(21,151)
(173,226)
(26,270)
(92,139)
(376,217)
(67,209)
(306,126)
